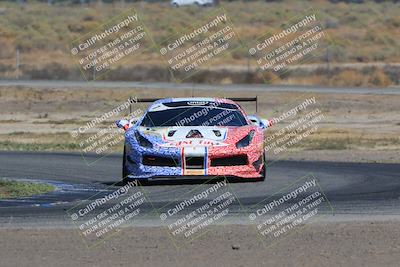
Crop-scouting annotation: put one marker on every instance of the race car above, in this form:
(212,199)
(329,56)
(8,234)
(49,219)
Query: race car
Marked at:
(194,138)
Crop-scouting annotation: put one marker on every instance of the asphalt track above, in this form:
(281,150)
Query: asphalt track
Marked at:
(83,85)
(351,188)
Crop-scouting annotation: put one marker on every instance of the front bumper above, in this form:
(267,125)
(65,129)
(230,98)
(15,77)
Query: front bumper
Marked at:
(199,162)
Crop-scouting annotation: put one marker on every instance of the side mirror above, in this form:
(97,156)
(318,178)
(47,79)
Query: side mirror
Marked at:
(123,124)
(257,121)
(254,120)
(265,123)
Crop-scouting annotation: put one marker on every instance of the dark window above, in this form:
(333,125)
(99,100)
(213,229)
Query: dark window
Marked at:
(201,103)
(194,116)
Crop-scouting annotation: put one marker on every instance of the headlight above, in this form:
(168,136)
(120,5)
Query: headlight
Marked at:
(245,141)
(143,141)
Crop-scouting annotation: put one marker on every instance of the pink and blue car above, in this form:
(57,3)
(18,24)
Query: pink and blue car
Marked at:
(194,138)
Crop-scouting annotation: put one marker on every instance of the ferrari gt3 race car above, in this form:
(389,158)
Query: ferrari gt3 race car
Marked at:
(194,138)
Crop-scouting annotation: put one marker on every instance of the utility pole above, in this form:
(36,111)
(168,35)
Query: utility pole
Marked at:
(17,64)
(248,67)
(328,57)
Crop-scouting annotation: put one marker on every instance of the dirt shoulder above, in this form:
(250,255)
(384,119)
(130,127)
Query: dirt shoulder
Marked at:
(331,244)
(366,156)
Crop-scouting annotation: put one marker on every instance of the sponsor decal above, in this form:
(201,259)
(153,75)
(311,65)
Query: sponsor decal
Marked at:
(197,103)
(194,142)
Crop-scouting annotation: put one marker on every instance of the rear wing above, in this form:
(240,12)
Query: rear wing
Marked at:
(236,99)
(246,99)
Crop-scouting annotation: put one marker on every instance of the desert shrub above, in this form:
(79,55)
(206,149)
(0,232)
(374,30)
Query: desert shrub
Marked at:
(393,21)
(7,49)
(138,73)
(348,78)
(379,78)
(53,70)
(271,78)
(331,23)
(6,68)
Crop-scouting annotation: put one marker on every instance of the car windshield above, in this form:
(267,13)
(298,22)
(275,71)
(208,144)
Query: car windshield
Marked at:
(194,116)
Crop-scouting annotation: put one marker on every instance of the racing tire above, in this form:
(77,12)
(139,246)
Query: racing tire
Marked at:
(125,173)
(263,171)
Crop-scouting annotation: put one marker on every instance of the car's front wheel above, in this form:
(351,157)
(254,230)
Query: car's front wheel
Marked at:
(125,172)
(263,172)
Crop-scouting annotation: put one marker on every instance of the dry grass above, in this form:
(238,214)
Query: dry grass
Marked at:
(359,33)
(15,189)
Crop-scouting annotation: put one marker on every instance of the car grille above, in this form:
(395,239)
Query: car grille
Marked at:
(229,161)
(160,161)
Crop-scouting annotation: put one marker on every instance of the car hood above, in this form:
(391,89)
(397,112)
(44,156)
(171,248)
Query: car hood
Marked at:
(179,136)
